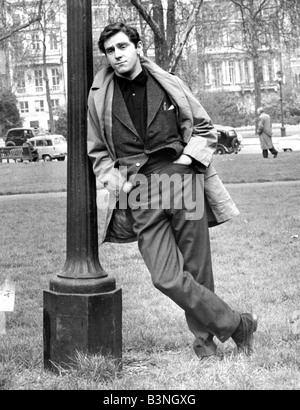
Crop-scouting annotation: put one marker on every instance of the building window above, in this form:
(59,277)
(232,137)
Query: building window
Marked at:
(242,71)
(55,103)
(51,16)
(16,19)
(217,74)
(21,86)
(206,73)
(247,71)
(38,74)
(100,15)
(39,106)
(35,125)
(53,42)
(55,79)
(36,44)
(231,72)
(271,71)
(24,107)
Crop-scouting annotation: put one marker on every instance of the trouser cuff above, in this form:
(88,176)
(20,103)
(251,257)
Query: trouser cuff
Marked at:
(232,328)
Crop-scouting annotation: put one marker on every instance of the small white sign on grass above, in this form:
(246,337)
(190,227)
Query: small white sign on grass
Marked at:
(7,296)
(7,302)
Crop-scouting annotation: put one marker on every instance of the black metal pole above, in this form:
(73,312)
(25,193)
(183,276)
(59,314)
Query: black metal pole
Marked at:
(283,132)
(82,309)
(82,236)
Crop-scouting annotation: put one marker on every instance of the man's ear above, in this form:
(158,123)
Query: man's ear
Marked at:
(139,47)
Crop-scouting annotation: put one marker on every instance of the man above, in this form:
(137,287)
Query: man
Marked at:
(142,123)
(265,133)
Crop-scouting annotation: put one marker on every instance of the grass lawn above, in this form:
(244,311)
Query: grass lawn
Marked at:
(52,176)
(256,265)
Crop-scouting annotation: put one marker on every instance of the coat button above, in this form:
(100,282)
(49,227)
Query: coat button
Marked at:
(138,164)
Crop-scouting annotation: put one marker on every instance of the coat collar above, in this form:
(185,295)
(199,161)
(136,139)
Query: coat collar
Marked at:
(155,96)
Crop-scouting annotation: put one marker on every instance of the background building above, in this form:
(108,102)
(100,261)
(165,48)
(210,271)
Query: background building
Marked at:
(33,62)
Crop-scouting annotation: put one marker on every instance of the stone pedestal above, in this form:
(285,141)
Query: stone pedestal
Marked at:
(89,323)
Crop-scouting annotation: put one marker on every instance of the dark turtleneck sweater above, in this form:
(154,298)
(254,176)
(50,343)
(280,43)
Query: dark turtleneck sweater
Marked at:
(135,96)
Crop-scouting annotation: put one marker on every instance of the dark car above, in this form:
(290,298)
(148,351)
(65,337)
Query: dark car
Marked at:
(18,136)
(229,141)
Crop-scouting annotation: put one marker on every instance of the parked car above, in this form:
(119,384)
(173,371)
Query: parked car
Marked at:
(229,141)
(18,136)
(291,143)
(50,147)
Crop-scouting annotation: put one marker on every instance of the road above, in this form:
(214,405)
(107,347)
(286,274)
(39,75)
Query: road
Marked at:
(249,132)
(251,143)
(252,146)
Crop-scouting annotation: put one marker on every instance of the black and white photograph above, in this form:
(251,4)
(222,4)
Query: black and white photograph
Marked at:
(149,197)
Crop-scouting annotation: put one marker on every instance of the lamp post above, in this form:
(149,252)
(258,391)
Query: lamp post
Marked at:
(82,308)
(280,82)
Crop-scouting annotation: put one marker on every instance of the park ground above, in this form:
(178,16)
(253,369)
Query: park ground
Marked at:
(256,266)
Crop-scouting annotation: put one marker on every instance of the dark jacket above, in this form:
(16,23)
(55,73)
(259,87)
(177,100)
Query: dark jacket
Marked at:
(195,128)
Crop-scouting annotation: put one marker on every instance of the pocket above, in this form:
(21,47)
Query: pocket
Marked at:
(181,168)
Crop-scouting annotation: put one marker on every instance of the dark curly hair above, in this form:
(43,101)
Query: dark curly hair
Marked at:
(115,28)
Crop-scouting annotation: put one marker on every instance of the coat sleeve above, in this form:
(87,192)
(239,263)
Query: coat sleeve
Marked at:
(204,138)
(103,165)
(260,126)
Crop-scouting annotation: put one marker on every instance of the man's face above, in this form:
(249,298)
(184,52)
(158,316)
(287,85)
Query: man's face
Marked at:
(123,56)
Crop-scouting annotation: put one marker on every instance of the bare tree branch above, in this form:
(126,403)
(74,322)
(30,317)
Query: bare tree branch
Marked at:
(25,25)
(19,28)
(146,16)
(184,37)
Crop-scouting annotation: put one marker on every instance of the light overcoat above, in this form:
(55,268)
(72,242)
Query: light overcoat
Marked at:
(196,130)
(265,131)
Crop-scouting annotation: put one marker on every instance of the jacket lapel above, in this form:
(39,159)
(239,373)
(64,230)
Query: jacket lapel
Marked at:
(155,96)
(120,110)
(103,104)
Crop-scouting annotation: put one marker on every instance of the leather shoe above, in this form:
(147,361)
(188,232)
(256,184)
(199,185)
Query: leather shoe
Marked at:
(243,336)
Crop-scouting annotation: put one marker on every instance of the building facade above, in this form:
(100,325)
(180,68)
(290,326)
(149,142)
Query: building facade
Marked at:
(37,57)
(38,66)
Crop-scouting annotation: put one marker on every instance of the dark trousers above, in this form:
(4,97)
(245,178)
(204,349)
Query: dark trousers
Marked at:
(272,150)
(177,253)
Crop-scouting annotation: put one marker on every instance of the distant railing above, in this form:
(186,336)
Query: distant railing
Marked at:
(16,153)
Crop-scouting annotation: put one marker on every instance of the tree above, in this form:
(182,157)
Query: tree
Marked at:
(213,26)
(7,30)
(223,108)
(288,22)
(9,113)
(29,48)
(61,121)
(264,26)
(170,37)
(255,29)
(48,12)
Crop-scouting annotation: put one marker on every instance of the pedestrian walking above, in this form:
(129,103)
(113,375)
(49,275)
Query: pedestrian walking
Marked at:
(264,130)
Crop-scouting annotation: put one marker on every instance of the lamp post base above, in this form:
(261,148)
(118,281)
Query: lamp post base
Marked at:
(89,323)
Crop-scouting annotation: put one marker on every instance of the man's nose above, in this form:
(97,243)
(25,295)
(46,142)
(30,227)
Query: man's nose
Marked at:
(118,53)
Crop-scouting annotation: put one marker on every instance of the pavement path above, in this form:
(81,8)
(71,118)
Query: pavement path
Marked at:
(64,194)
(33,196)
